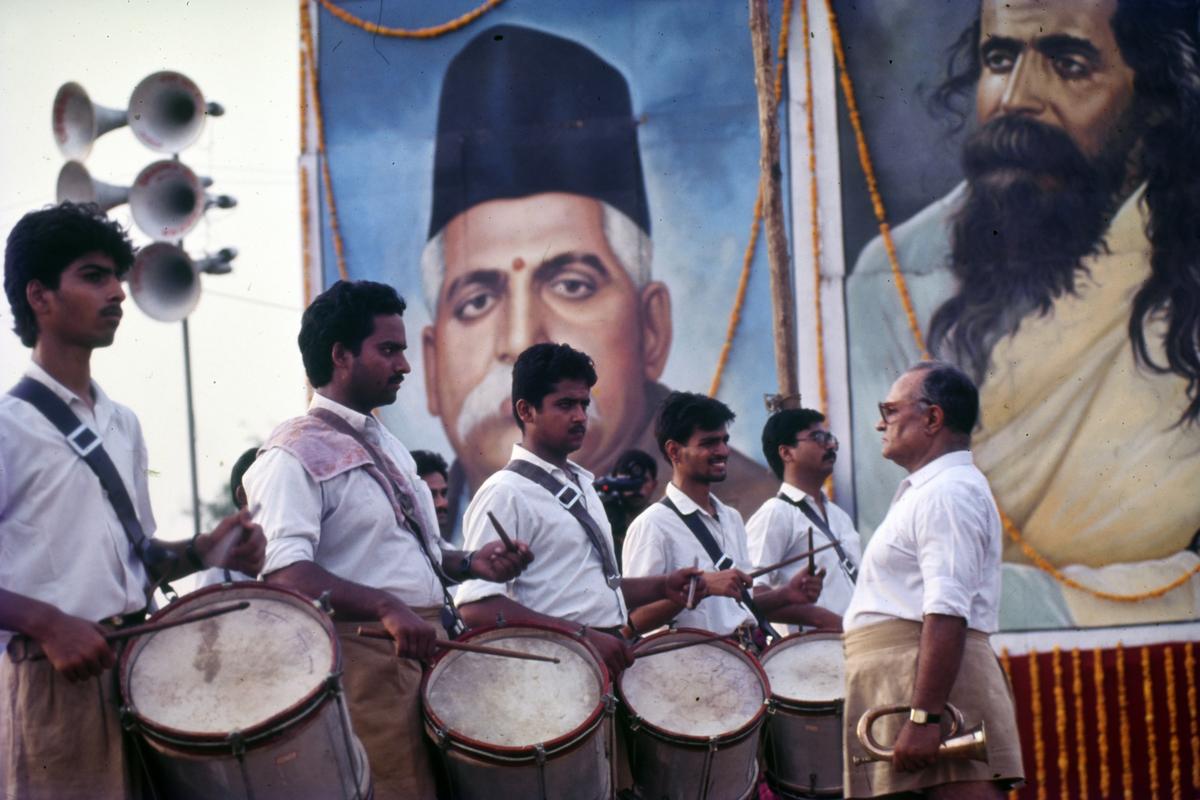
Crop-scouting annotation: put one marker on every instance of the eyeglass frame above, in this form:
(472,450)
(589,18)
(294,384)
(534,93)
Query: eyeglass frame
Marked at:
(821,438)
(888,416)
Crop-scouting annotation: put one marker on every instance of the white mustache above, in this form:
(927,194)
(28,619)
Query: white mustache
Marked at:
(483,403)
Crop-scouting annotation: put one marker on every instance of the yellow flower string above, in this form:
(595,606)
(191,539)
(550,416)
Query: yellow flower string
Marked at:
(1006,665)
(306,229)
(1060,723)
(864,158)
(339,250)
(1039,744)
(1101,721)
(815,215)
(1173,724)
(739,297)
(1080,737)
(1123,719)
(1151,736)
(414,33)
(1189,670)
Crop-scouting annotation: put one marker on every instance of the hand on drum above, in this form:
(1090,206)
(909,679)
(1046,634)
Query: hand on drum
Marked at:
(75,647)
(678,585)
(727,583)
(916,747)
(805,587)
(414,636)
(614,651)
(495,562)
(237,543)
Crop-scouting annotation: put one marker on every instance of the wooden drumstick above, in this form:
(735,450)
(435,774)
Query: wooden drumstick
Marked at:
(692,582)
(380,633)
(512,548)
(162,625)
(758,573)
(812,561)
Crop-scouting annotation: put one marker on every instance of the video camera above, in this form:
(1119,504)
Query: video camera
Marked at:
(613,487)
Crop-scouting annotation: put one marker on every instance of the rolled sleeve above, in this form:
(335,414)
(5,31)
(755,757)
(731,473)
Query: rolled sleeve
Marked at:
(290,513)
(950,538)
(478,531)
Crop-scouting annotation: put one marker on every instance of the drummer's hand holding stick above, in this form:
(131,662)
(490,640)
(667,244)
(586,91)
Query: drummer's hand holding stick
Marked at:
(805,586)
(502,560)
(237,543)
(727,583)
(414,637)
(76,647)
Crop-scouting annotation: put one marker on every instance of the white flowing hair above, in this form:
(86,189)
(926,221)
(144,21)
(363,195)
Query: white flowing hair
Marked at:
(629,243)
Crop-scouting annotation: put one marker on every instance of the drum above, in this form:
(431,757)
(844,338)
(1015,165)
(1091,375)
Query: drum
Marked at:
(528,729)
(803,740)
(693,717)
(244,705)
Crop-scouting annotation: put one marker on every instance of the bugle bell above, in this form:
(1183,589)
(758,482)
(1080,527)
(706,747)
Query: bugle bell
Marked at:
(965,744)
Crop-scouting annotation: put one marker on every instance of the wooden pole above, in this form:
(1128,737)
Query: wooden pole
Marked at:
(783,303)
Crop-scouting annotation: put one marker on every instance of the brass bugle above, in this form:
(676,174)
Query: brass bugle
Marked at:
(966,744)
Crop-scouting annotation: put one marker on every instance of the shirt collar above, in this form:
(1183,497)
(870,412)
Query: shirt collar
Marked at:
(360,422)
(956,458)
(687,505)
(101,407)
(792,492)
(519,453)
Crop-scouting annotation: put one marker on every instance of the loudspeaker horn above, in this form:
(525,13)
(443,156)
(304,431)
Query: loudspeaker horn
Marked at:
(167,111)
(77,121)
(165,280)
(167,200)
(76,184)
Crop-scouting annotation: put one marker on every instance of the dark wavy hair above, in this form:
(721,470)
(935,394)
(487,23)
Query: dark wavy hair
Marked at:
(1160,41)
(782,428)
(345,312)
(429,462)
(540,368)
(683,413)
(43,243)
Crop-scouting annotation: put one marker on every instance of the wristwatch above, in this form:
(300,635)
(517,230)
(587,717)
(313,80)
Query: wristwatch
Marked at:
(919,716)
(464,566)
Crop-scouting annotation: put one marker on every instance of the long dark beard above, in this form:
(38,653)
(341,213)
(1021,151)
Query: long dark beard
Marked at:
(1035,208)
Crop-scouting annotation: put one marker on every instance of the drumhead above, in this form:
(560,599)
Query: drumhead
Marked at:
(230,672)
(701,691)
(808,668)
(506,702)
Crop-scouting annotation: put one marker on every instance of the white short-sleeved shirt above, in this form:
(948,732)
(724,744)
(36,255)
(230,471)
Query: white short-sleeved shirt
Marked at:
(346,524)
(779,530)
(61,541)
(566,578)
(658,541)
(936,552)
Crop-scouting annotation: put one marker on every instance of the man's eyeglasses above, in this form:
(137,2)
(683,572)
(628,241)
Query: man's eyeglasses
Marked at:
(820,438)
(888,411)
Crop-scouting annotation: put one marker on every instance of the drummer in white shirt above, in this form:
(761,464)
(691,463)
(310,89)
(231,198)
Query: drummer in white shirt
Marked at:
(692,433)
(801,452)
(574,583)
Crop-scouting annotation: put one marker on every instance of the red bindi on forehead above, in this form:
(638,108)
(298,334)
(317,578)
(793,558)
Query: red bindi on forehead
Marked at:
(518,264)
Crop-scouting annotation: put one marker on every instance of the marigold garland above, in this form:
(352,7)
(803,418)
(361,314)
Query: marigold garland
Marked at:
(1060,722)
(1080,737)
(1101,721)
(1035,706)
(1189,670)
(306,254)
(1123,720)
(1173,724)
(414,33)
(1151,736)
(1006,665)
(739,297)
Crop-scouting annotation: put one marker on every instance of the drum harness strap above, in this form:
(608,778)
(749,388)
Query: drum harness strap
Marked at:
(87,445)
(719,559)
(571,499)
(394,486)
(847,565)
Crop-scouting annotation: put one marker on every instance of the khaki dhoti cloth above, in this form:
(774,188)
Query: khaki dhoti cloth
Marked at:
(881,669)
(384,696)
(60,740)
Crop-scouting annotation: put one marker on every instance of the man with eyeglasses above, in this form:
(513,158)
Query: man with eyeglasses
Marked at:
(927,601)
(801,452)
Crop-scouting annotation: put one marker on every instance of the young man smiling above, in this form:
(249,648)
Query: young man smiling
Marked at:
(68,556)
(548,500)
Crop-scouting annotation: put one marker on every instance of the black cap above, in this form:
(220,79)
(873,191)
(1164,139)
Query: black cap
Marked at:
(524,112)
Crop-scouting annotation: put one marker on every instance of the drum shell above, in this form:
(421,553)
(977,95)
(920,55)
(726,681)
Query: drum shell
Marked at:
(670,766)
(308,749)
(574,766)
(802,742)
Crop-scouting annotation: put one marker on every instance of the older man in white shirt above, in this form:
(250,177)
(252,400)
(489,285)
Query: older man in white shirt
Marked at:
(345,513)
(927,600)
(802,452)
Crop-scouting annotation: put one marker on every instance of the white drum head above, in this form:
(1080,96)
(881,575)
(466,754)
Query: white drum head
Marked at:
(233,671)
(808,668)
(507,702)
(700,691)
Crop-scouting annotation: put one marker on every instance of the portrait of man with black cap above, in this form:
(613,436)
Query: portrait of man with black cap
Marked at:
(540,231)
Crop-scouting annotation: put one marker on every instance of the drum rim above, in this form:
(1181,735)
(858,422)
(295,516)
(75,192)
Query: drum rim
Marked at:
(256,734)
(683,738)
(796,703)
(508,753)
